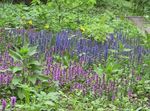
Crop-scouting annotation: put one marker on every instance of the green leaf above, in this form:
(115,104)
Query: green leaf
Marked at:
(139,109)
(15,55)
(113,51)
(53,96)
(16,80)
(24,51)
(123,57)
(32,50)
(21,93)
(100,109)
(34,62)
(98,70)
(35,68)
(16,69)
(32,79)
(49,103)
(127,50)
(148,88)
(42,77)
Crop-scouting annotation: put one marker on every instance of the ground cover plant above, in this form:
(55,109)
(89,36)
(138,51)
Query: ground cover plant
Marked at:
(58,56)
(71,63)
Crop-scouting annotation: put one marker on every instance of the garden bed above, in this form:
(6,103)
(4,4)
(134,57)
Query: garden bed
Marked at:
(69,56)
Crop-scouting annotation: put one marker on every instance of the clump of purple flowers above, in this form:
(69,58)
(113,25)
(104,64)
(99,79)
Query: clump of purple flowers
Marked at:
(75,44)
(87,51)
(13,101)
(4,103)
(86,81)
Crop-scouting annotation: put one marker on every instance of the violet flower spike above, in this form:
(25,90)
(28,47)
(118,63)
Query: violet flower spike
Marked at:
(13,101)
(4,104)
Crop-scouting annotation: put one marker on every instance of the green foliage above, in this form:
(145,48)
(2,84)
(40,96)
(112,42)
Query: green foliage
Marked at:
(119,7)
(58,15)
(37,92)
(29,68)
(141,6)
(78,102)
(66,59)
(100,26)
(40,101)
(27,82)
(124,7)
(27,72)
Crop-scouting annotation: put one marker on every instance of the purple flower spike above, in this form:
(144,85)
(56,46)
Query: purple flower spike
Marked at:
(129,93)
(3,104)
(113,97)
(13,101)
(105,51)
(138,78)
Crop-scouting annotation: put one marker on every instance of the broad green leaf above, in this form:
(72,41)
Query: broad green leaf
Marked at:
(148,88)
(139,109)
(42,93)
(16,69)
(16,80)
(98,70)
(23,51)
(21,94)
(49,103)
(32,50)
(53,96)
(15,55)
(42,77)
(32,79)
(34,62)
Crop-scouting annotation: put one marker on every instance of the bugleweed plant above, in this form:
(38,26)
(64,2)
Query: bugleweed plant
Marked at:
(81,73)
